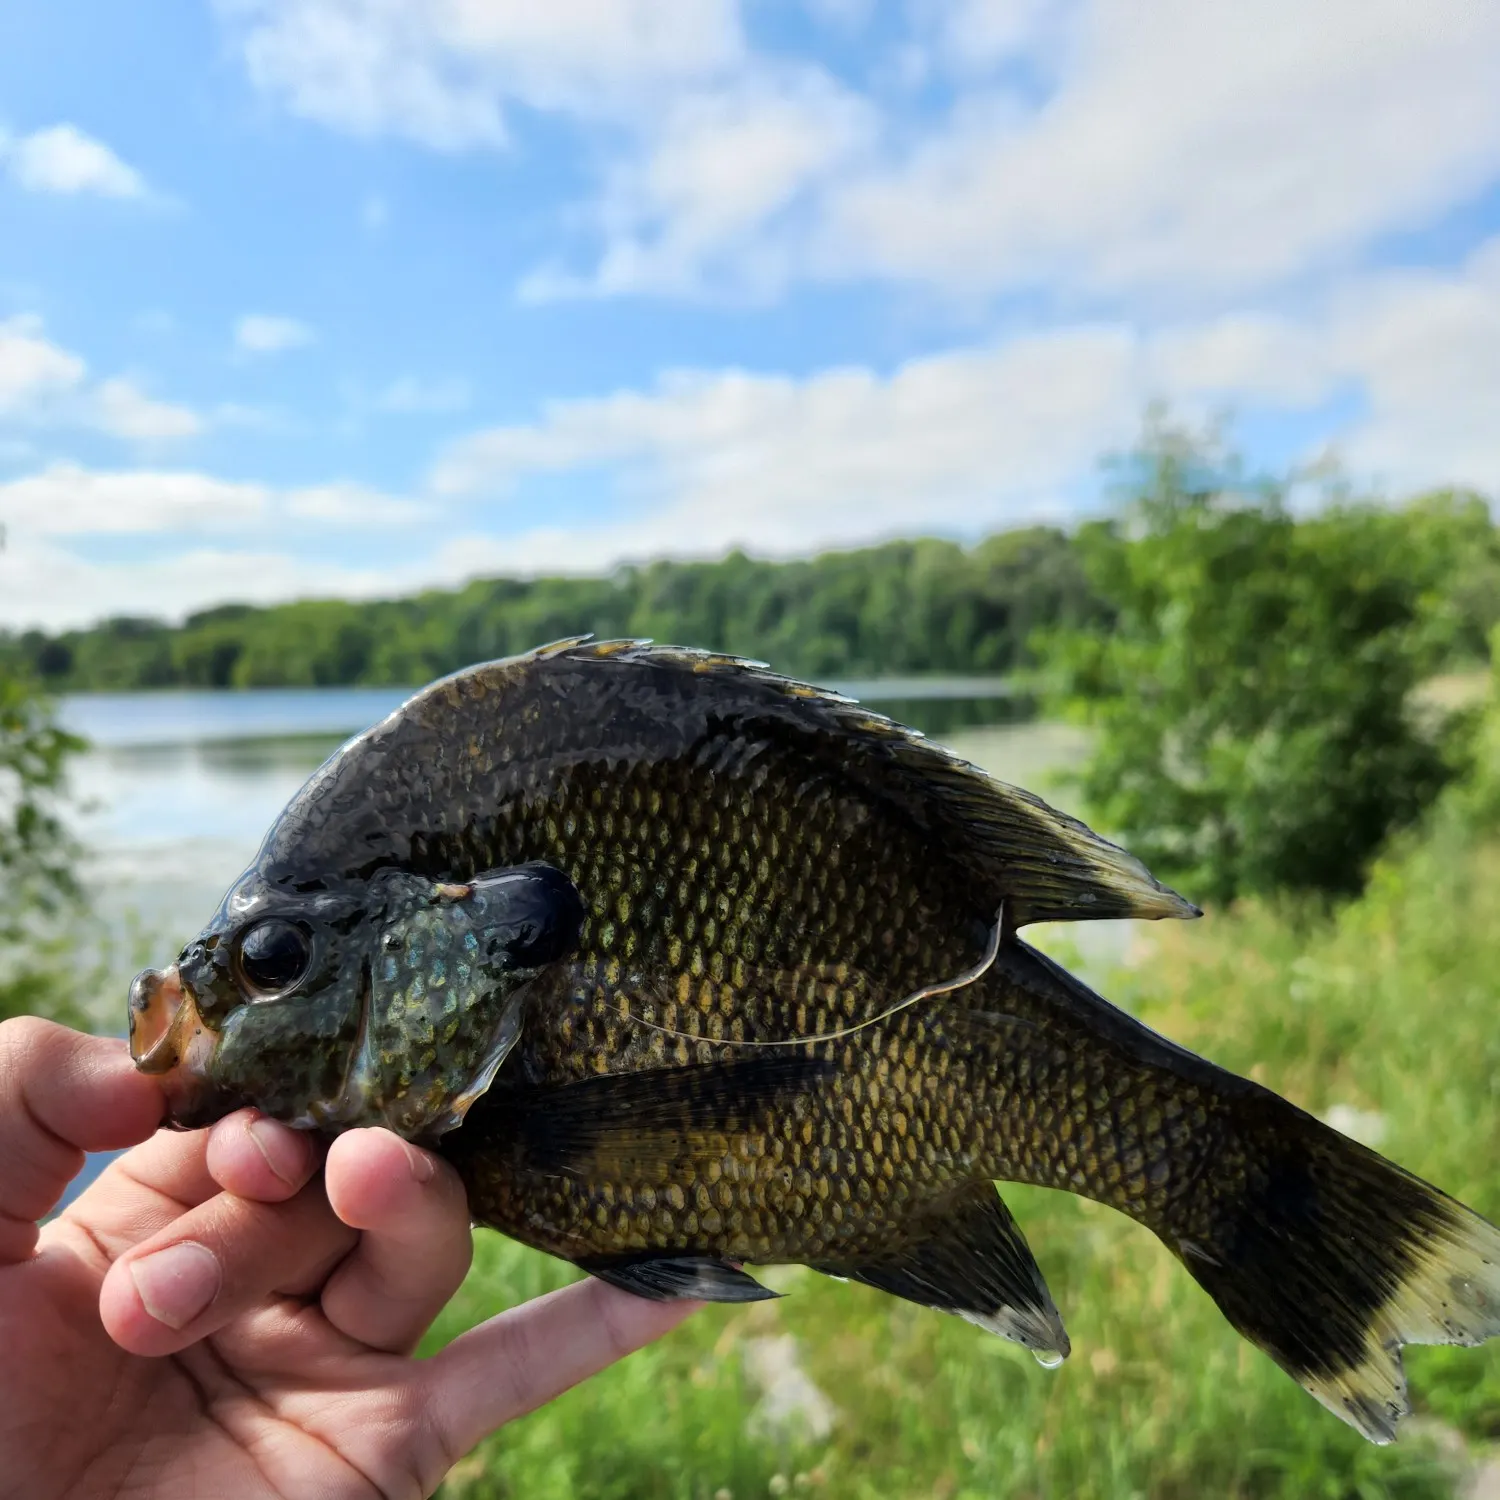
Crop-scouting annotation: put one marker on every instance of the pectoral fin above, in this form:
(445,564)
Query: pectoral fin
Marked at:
(644,1126)
(969,1258)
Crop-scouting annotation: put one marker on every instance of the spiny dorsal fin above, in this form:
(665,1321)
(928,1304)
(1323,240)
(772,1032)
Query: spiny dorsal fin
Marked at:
(424,778)
(1046,865)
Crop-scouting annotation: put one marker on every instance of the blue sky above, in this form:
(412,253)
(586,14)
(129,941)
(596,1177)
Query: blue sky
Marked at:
(357,296)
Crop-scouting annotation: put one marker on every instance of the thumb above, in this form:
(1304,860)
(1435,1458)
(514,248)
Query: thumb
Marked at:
(61,1094)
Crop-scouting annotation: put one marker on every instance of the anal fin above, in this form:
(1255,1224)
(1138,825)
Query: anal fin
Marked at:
(969,1257)
(672,1278)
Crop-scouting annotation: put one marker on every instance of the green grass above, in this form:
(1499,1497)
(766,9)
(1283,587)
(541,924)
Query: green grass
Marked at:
(1390,1006)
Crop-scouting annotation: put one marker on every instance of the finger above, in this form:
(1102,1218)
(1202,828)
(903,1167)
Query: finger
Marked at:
(149,1188)
(139,1194)
(416,1245)
(523,1358)
(217,1262)
(252,1156)
(61,1094)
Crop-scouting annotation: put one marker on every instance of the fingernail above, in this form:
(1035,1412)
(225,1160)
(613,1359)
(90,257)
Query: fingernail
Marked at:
(422,1165)
(177,1283)
(271,1141)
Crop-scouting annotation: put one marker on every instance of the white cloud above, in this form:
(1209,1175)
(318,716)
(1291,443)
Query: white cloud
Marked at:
(68,500)
(43,383)
(1427,348)
(62,159)
(1210,148)
(263,333)
(960,441)
(31,368)
(347,504)
(716,191)
(847,15)
(47,585)
(412,394)
(212,535)
(971,37)
(442,71)
(1256,357)
(1220,146)
(125,411)
(980,438)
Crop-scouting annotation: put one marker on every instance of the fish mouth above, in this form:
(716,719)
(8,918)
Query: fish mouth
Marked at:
(170,1040)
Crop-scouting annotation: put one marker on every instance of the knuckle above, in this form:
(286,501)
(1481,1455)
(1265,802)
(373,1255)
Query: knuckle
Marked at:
(617,1341)
(517,1367)
(431,1447)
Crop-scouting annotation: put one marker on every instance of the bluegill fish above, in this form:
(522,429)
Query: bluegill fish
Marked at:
(688,967)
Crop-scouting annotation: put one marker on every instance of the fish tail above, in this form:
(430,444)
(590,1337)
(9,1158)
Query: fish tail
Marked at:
(1330,1258)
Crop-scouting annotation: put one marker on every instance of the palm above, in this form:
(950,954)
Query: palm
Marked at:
(293,1376)
(277,1403)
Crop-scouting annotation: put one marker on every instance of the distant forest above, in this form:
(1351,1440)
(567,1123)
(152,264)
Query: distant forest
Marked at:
(907,607)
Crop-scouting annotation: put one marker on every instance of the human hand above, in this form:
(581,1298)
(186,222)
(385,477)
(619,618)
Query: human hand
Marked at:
(214,1318)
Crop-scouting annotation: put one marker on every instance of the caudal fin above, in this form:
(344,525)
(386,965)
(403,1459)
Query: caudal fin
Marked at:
(1330,1258)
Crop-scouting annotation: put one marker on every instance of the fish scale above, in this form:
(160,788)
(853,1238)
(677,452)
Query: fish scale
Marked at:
(867,1139)
(688,967)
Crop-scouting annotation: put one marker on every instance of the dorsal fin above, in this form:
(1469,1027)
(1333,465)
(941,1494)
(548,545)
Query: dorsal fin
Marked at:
(492,732)
(1047,866)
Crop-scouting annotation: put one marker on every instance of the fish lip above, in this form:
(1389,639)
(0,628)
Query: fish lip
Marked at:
(169,1039)
(156,1016)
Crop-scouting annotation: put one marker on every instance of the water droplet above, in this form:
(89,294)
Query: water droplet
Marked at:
(1048,1359)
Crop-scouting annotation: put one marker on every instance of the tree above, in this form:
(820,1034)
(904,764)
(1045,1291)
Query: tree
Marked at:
(1252,695)
(37,856)
(929,605)
(1477,798)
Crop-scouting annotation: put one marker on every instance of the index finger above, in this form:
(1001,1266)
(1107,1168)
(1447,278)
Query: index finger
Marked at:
(525,1357)
(61,1094)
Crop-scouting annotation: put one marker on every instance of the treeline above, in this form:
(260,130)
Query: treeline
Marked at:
(909,607)
(905,607)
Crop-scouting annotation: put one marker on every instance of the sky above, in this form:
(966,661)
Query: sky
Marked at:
(357,297)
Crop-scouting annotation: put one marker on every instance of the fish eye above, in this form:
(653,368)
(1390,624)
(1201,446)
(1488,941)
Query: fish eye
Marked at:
(274,955)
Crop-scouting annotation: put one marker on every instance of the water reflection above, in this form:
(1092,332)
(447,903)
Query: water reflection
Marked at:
(177,718)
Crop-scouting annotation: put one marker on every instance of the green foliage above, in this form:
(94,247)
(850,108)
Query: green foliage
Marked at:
(921,606)
(1458,529)
(36,854)
(1252,694)
(1477,797)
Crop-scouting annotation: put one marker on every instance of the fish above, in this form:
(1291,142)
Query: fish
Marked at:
(689,967)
